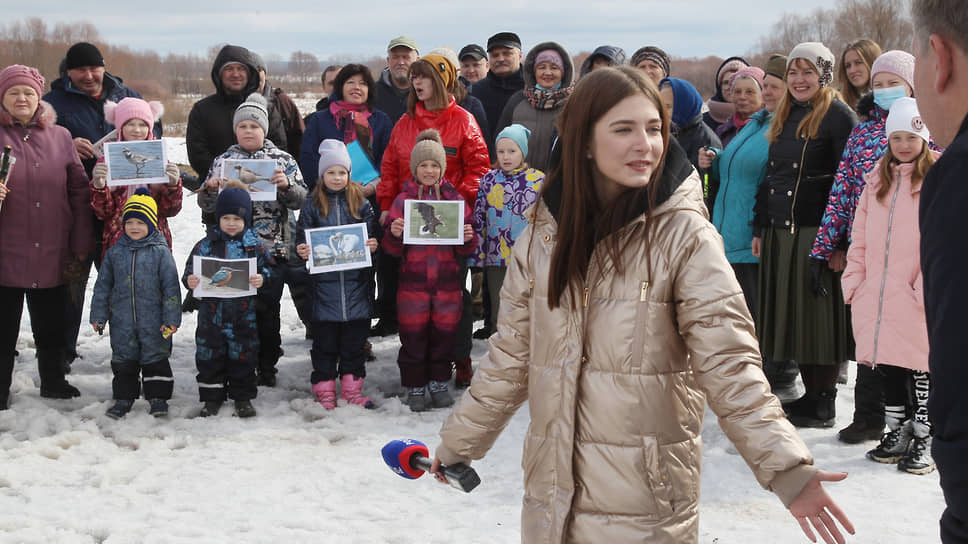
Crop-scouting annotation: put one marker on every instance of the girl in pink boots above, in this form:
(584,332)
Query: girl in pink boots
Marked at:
(882,283)
(342,301)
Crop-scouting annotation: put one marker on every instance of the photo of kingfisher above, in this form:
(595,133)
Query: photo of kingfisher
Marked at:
(223,276)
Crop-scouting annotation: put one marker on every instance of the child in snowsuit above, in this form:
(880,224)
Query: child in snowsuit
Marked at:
(504,195)
(134,118)
(272,221)
(137,293)
(342,301)
(429,300)
(226,341)
(882,283)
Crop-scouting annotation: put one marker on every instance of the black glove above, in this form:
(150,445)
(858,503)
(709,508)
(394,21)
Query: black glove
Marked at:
(817,267)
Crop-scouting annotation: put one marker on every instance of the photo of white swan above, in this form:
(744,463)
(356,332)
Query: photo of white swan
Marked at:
(338,248)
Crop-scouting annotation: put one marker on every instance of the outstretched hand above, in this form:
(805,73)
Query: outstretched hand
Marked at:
(814,507)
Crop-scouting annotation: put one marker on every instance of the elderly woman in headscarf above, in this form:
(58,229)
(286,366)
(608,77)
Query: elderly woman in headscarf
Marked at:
(653,62)
(746,93)
(548,82)
(720,106)
(684,104)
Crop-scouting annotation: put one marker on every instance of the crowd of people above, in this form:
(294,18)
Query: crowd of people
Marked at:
(673,252)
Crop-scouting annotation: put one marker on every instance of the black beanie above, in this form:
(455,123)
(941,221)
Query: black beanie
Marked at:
(235,201)
(83,54)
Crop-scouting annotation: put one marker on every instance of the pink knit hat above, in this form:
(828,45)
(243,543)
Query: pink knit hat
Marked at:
(899,63)
(18,74)
(752,72)
(133,108)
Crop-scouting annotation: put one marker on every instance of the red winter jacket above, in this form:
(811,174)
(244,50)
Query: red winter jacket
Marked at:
(108,202)
(467,159)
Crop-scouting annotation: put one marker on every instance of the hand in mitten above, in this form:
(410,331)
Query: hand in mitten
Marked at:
(817,267)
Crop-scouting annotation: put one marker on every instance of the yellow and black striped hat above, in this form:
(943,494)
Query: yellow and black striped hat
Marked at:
(141,206)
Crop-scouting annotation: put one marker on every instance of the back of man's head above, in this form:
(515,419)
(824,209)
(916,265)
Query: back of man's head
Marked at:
(948,18)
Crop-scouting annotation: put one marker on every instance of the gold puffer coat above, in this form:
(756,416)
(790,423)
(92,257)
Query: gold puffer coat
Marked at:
(617,389)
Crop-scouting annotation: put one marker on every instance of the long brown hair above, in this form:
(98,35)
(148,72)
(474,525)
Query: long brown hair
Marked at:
(810,124)
(868,51)
(354,198)
(441,94)
(921,165)
(584,220)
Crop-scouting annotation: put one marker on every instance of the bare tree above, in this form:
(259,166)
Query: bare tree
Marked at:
(304,65)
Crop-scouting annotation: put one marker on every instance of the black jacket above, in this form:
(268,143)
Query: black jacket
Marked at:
(493,92)
(944,260)
(389,99)
(800,172)
(692,138)
(210,131)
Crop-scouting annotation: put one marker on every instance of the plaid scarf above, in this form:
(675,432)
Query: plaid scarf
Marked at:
(541,99)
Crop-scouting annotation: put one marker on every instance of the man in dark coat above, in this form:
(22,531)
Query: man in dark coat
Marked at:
(393,86)
(282,111)
(235,74)
(940,46)
(503,79)
(78,98)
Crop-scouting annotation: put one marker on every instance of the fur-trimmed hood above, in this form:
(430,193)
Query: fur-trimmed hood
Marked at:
(44,117)
(568,74)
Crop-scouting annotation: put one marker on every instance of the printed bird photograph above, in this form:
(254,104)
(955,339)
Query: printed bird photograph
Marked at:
(433,222)
(338,248)
(222,277)
(254,174)
(136,162)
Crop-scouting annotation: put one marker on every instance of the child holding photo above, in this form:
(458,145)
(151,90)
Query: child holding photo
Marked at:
(134,118)
(504,195)
(342,301)
(271,221)
(226,342)
(882,283)
(137,292)
(429,301)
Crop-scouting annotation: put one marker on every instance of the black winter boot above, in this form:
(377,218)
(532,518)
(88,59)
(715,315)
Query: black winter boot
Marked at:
(6,373)
(816,409)
(52,383)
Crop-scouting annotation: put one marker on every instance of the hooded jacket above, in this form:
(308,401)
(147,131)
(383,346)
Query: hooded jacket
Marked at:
(882,281)
(345,295)
(467,159)
(617,388)
(46,218)
(719,110)
(137,292)
(210,131)
(541,123)
(83,115)
(615,56)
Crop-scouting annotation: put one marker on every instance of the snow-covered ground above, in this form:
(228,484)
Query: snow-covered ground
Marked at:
(297,473)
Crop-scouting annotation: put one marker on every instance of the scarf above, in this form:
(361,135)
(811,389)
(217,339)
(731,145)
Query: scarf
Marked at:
(739,122)
(541,99)
(353,120)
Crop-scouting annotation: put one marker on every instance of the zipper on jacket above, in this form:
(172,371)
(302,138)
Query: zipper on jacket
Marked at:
(134,305)
(887,252)
(643,291)
(531,288)
(796,189)
(585,298)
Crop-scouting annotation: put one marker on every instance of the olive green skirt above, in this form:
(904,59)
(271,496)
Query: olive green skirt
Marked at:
(792,322)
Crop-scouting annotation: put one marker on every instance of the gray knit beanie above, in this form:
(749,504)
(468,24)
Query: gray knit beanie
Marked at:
(255,109)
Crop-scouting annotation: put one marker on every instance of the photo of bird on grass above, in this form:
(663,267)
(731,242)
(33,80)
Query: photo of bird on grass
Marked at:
(253,174)
(136,162)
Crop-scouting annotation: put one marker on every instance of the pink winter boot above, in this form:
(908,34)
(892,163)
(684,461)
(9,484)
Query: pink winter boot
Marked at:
(352,391)
(326,393)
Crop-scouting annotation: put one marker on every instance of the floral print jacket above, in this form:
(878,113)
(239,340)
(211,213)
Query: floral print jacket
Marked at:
(502,199)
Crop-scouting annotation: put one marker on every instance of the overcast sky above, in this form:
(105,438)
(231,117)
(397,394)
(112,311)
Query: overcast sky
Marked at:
(361,28)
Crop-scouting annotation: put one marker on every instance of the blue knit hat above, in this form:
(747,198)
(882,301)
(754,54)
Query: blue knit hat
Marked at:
(235,201)
(141,206)
(519,134)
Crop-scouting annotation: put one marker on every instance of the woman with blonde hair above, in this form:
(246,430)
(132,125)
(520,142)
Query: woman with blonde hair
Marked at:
(620,317)
(854,73)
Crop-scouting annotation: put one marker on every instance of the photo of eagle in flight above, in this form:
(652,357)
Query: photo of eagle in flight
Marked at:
(430,218)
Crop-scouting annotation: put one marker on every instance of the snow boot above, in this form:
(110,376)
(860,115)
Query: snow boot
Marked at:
(483,333)
(52,382)
(351,389)
(439,394)
(158,407)
(464,373)
(210,408)
(244,408)
(120,409)
(325,392)
(816,409)
(860,431)
(417,399)
(894,445)
(918,459)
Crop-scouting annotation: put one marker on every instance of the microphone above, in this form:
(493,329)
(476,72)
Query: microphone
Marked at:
(411,458)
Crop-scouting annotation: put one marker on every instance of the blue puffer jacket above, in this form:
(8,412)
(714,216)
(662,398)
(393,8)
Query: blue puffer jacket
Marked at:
(137,291)
(83,115)
(740,169)
(346,295)
(322,126)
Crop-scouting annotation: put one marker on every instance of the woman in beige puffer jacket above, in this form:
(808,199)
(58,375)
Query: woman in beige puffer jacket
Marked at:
(618,372)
